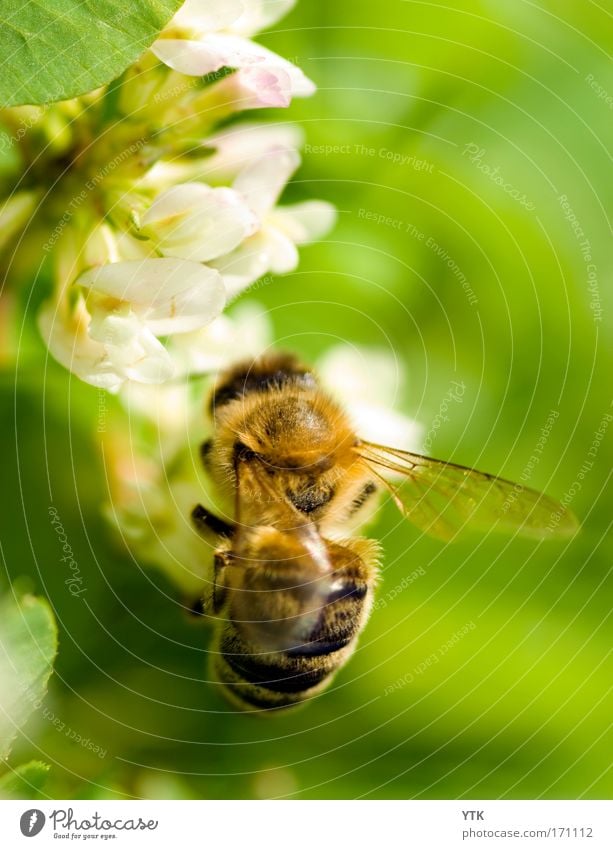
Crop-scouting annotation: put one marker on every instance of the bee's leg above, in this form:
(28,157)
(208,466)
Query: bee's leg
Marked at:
(214,595)
(207,523)
(195,608)
(205,450)
(222,558)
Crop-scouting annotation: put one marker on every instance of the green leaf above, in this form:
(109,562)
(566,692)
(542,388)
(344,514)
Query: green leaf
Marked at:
(28,644)
(24,782)
(56,49)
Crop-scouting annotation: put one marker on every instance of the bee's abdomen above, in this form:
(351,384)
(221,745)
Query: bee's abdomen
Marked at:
(283,679)
(267,681)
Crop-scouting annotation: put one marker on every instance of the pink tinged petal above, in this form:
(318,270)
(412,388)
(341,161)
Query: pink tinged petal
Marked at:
(244,53)
(193,221)
(305,222)
(169,295)
(260,14)
(255,87)
(262,181)
(208,15)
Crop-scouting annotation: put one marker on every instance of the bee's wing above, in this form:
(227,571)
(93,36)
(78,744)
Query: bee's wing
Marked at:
(442,498)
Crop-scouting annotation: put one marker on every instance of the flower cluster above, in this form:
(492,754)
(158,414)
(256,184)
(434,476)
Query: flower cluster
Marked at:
(156,217)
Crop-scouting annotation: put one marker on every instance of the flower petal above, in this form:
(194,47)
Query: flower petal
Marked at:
(384,426)
(241,144)
(69,343)
(131,347)
(281,251)
(208,15)
(190,57)
(245,334)
(243,53)
(209,53)
(259,14)
(262,181)
(368,382)
(258,87)
(244,265)
(169,295)
(194,221)
(305,222)
(147,360)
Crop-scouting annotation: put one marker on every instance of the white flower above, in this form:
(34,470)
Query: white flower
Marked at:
(245,334)
(234,148)
(196,222)
(242,17)
(273,246)
(237,146)
(256,87)
(138,356)
(368,382)
(174,407)
(110,334)
(213,35)
(167,295)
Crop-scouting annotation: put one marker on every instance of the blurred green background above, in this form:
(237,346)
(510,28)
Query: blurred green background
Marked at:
(520,706)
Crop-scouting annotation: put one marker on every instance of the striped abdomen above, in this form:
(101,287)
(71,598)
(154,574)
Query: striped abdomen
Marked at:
(257,680)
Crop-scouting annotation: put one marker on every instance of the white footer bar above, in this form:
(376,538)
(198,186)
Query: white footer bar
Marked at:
(308,824)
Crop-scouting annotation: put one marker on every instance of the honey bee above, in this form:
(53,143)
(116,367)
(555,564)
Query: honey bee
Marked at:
(292,588)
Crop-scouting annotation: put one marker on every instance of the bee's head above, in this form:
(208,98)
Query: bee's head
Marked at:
(284,446)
